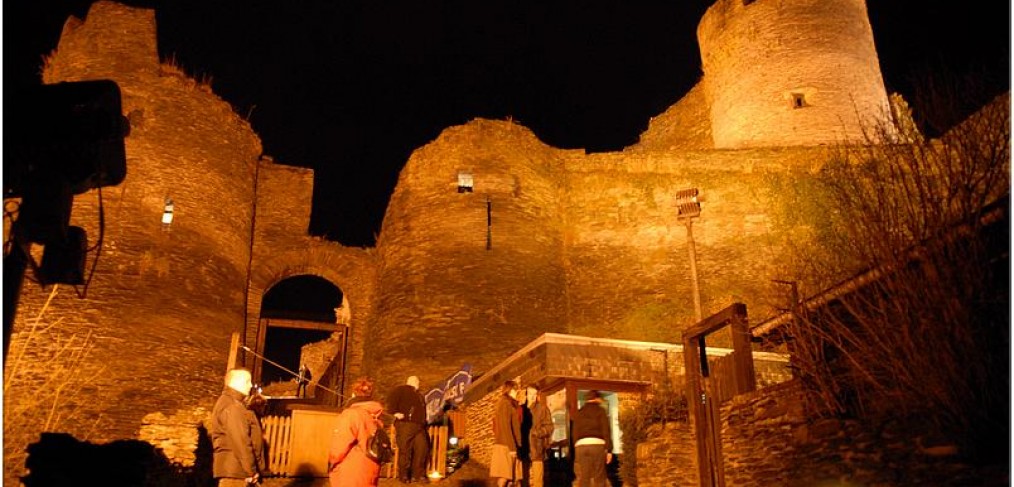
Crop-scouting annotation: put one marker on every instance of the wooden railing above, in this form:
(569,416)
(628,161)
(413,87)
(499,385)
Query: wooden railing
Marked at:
(279,441)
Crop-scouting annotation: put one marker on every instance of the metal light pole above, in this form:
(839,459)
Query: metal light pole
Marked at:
(688,207)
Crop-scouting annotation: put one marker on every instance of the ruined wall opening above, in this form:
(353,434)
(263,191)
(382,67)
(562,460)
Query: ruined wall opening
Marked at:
(295,312)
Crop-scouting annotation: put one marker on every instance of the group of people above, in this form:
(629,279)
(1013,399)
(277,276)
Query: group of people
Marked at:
(238,445)
(523,433)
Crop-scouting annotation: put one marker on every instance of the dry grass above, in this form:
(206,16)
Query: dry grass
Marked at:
(43,380)
(928,339)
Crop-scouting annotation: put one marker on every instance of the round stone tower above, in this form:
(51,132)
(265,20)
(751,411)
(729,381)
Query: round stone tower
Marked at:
(471,254)
(790,72)
(151,330)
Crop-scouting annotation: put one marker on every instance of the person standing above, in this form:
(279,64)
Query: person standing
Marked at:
(303,380)
(236,443)
(592,443)
(407,405)
(540,435)
(362,390)
(503,463)
(348,465)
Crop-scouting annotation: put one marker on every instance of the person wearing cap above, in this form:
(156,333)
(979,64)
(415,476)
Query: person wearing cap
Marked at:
(593,444)
(236,457)
(408,407)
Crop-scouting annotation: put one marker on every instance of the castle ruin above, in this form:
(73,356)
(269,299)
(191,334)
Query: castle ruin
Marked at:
(545,240)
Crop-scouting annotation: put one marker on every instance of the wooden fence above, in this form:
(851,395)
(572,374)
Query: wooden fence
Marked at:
(280,441)
(277,439)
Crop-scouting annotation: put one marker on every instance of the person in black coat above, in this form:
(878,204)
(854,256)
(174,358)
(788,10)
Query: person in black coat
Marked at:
(537,428)
(408,407)
(235,434)
(593,443)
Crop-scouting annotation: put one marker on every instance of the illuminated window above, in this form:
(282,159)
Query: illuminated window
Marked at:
(465,182)
(167,212)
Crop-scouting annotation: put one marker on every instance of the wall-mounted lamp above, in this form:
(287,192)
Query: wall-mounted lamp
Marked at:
(167,212)
(465,182)
(688,207)
(688,203)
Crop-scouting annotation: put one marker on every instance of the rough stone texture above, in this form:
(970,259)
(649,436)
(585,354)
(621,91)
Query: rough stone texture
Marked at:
(684,126)
(317,356)
(579,243)
(442,294)
(479,436)
(601,254)
(151,332)
(768,439)
(639,367)
(151,336)
(668,458)
(756,55)
(282,250)
(177,436)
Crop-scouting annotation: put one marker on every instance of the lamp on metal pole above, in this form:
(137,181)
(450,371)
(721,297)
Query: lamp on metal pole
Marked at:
(688,207)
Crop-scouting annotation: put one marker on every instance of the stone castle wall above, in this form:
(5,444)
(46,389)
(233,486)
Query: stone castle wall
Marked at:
(445,298)
(628,258)
(282,250)
(151,332)
(684,126)
(768,438)
(587,244)
(574,243)
(758,55)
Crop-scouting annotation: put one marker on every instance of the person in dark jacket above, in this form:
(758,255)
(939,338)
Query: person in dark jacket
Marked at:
(504,464)
(592,443)
(236,442)
(408,407)
(538,423)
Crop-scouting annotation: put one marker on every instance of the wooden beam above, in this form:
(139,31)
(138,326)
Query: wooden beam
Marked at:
(717,320)
(302,324)
(233,351)
(742,355)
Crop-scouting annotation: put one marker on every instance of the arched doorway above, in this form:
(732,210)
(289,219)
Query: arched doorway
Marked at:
(297,311)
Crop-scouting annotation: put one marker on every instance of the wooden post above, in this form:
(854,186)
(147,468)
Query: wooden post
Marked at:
(703,388)
(233,352)
(692,363)
(742,351)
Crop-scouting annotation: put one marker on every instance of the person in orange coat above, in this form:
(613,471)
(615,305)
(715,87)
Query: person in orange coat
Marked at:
(349,465)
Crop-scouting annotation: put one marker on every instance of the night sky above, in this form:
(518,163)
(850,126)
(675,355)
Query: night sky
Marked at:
(350,88)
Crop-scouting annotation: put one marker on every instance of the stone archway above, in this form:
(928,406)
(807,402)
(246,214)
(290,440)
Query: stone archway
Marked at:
(351,270)
(297,311)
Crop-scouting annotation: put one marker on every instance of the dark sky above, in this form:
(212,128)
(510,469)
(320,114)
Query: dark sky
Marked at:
(351,87)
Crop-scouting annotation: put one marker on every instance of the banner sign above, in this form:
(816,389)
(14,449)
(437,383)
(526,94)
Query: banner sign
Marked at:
(450,391)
